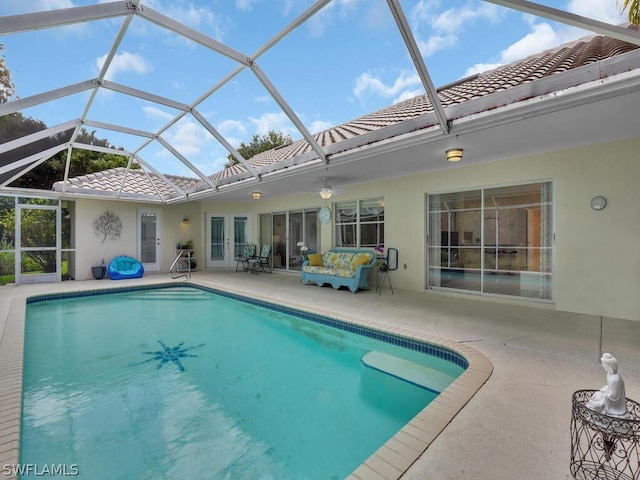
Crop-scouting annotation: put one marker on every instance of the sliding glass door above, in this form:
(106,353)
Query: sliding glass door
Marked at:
(492,240)
(284,230)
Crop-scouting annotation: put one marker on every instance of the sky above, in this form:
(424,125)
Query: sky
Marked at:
(344,62)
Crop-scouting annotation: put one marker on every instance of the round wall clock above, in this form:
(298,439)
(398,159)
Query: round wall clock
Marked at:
(325,215)
(598,203)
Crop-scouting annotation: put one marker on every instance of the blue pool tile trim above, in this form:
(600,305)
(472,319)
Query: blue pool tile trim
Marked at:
(422,347)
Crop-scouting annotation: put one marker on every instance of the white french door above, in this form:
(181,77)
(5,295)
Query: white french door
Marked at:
(148,251)
(226,236)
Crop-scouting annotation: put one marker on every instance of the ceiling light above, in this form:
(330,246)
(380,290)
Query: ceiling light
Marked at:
(326,192)
(256,195)
(454,154)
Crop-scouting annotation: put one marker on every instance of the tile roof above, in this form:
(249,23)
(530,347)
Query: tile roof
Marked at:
(136,182)
(567,57)
(546,64)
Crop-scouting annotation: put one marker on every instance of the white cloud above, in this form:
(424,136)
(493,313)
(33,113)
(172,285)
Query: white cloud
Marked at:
(440,25)
(456,18)
(125,62)
(541,38)
(245,5)
(155,113)
(319,126)
(480,67)
(335,11)
(368,83)
(435,43)
(603,10)
(188,137)
(407,94)
(273,121)
(263,99)
(199,18)
(228,127)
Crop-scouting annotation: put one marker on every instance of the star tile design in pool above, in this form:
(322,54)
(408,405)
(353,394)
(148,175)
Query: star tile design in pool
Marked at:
(167,354)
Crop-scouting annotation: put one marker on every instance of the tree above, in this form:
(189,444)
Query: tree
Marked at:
(7,88)
(634,10)
(82,162)
(258,144)
(37,229)
(15,125)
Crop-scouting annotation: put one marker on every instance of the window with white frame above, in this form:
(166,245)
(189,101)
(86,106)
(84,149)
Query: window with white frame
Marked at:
(360,223)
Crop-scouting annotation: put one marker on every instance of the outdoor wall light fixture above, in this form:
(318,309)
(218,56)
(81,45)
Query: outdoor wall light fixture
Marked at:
(256,195)
(454,154)
(185,221)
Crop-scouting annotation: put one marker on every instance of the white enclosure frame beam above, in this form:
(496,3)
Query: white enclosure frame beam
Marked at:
(218,136)
(421,68)
(37,99)
(186,162)
(36,157)
(288,111)
(177,27)
(119,128)
(144,95)
(34,137)
(65,16)
(160,175)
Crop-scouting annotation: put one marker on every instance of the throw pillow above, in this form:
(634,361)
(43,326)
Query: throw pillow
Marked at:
(315,259)
(360,259)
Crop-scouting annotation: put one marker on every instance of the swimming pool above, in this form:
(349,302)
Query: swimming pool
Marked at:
(161,387)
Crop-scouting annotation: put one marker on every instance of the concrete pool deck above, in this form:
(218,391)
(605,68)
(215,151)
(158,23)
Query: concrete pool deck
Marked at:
(515,426)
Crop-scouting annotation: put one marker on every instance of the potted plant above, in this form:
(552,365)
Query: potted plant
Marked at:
(99,271)
(303,250)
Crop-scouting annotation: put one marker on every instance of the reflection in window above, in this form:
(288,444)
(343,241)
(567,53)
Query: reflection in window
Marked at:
(286,230)
(493,240)
(360,223)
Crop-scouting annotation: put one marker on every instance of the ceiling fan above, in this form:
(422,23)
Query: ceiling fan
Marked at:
(326,192)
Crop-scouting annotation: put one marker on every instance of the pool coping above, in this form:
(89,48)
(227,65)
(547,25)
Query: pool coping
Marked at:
(389,462)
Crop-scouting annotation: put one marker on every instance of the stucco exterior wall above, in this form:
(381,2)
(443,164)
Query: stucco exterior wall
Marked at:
(596,261)
(90,248)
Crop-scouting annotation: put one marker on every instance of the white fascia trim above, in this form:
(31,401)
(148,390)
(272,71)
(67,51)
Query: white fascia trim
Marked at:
(601,89)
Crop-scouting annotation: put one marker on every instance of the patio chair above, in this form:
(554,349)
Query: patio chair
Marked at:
(389,264)
(262,262)
(248,252)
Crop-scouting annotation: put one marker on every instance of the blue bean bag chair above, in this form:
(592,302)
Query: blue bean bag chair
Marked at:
(125,267)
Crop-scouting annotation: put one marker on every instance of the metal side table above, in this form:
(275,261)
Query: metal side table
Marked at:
(602,446)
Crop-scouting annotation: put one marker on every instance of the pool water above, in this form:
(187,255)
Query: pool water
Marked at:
(185,383)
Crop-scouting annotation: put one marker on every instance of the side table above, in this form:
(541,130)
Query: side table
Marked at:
(603,446)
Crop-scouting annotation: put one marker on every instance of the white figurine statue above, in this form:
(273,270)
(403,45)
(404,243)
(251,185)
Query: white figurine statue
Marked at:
(611,399)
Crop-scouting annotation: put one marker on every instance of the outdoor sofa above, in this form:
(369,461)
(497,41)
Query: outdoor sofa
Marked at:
(340,267)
